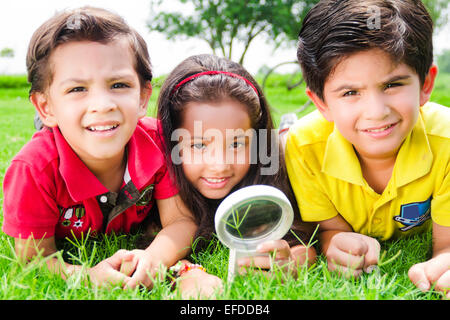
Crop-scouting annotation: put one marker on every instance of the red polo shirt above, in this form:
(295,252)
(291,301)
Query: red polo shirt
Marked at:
(48,190)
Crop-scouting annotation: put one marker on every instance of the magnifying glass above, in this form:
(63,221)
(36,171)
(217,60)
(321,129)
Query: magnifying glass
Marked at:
(249,217)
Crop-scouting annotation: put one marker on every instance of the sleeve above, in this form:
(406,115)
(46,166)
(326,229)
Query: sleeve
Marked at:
(29,208)
(165,187)
(313,201)
(440,204)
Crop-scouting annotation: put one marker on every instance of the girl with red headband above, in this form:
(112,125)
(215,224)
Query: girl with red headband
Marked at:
(216,126)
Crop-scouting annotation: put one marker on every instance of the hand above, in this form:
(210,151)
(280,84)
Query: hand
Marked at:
(279,253)
(352,253)
(434,271)
(107,271)
(141,269)
(198,284)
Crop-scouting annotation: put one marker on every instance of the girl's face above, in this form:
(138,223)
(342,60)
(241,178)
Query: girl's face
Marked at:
(215,146)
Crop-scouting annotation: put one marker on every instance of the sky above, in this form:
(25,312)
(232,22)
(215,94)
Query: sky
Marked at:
(20,18)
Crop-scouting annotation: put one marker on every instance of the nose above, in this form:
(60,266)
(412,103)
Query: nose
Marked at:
(217,160)
(101,101)
(376,107)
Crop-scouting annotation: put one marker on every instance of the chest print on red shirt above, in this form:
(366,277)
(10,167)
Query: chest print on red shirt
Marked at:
(72,217)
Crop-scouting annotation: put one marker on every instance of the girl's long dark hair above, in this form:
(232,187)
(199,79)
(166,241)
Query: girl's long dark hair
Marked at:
(212,88)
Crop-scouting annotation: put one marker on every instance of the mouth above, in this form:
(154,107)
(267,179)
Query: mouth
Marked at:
(102,128)
(380,129)
(216,183)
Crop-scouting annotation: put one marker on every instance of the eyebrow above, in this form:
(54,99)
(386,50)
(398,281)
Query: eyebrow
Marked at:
(206,138)
(398,78)
(390,80)
(111,79)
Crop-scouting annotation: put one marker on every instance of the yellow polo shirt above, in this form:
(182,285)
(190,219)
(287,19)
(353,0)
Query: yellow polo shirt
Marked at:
(327,180)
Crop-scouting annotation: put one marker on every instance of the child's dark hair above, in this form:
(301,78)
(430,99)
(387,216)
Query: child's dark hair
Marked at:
(334,29)
(83,24)
(212,88)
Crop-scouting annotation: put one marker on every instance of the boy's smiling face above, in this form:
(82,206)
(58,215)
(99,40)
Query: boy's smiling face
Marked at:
(95,98)
(373,102)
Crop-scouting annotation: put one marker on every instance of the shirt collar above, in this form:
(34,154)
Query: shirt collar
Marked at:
(414,158)
(144,160)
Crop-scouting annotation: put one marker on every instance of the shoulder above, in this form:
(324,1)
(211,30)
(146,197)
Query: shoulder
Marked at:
(40,151)
(310,129)
(152,127)
(436,119)
(149,124)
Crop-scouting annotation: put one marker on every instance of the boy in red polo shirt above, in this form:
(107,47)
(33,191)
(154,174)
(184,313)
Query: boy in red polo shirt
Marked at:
(97,165)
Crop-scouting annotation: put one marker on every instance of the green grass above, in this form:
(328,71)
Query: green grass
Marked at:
(34,282)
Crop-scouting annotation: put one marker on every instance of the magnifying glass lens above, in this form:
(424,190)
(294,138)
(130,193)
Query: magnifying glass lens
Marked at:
(253,219)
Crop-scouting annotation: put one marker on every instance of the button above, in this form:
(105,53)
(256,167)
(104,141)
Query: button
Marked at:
(103,199)
(376,220)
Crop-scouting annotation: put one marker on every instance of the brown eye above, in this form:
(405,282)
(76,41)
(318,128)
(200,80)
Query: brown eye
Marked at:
(350,93)
(77,89)
(119,85)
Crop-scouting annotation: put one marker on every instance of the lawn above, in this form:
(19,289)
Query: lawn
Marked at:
(34,282)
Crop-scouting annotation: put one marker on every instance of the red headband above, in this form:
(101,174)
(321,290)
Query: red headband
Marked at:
(230,74)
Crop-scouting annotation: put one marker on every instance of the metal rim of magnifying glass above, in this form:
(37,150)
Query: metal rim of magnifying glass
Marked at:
(241,196)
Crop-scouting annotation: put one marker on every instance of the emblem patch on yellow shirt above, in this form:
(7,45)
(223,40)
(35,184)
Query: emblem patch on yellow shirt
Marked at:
(414,214)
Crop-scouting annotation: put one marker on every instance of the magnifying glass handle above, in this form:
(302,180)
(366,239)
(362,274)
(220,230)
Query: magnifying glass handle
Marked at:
(235,255)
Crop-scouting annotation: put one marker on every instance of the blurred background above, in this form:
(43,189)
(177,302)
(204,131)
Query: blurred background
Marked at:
(261,34)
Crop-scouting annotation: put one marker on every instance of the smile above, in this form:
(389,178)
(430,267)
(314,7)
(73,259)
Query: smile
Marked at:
(102,128)
(216,183)
(215,180)
(380,129)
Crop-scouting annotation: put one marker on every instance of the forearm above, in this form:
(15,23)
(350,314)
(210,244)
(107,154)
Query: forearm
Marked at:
(173,242)
(441,250)
(28,249)
(441,239)
(325,239)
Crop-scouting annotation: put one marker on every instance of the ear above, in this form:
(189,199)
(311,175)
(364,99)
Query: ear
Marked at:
(146,93)
(320,105)
(428,85)
(41,103)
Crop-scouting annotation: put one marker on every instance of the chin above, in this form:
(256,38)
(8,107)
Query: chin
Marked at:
(215,195)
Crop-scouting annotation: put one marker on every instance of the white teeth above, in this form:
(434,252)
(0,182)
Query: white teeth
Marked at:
(102,128)
(381,129)
(214,180)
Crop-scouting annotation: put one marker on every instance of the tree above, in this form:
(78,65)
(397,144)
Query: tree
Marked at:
(443,61)
(438,10)
(224,23)
(7,53)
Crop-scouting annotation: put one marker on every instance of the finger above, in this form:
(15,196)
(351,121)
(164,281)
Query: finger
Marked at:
(417,276)
(280,247)
(435,268)
(128,266)
(346,260)
(262,262)
(142,276)
(116,259)
(114,278)
(443,284)
(372,256)
(344,271)
(351,243)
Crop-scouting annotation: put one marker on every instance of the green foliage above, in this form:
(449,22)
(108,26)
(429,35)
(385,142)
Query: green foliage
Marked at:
(223,23)
(13,81)
(443,61)
(7,53)
(437,10)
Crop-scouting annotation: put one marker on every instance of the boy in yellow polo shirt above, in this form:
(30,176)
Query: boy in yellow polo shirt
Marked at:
(373,161)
